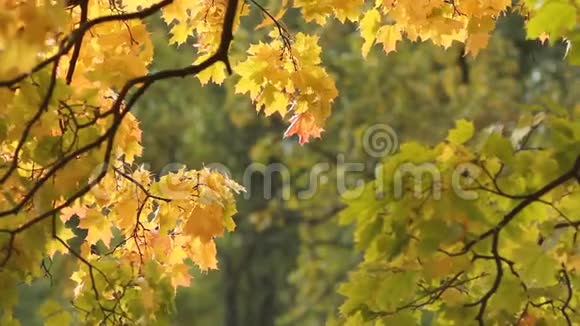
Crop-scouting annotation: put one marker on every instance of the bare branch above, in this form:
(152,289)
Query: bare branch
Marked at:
(569,175)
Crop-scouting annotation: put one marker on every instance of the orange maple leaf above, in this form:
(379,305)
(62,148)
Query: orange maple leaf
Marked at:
(205,222)
(180,276)
(203,254)
(304,125)
(77,209)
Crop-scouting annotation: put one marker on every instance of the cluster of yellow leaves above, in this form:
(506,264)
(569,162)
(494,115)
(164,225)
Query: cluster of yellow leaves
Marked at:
(111,53)
(25,30)
(442,22)
(132,221)
(269,73)
(318,11)
(169,221)
(202,20)
(289,81)
(389,21)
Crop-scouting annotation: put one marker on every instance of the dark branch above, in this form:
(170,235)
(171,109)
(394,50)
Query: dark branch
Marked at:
(569,175)
(84,5)
(483,301)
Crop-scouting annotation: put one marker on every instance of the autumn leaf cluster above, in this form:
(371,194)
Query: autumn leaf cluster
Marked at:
(71,186)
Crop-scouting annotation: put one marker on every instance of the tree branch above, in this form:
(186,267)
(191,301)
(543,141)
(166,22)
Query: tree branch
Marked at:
(117,110)
(573,173)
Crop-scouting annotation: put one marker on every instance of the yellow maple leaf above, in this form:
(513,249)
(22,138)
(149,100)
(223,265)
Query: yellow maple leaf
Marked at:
(177,254)
(54,246)
(166,216)
(78,277)
(203,254)
(306,50)
(369,25)
(176,11)
(128,139)
(180,276)
(179,33)
(216,73)
(314,10)
(268,21)
(273,100)
(347,9)
(476,42)
(68,212)
(389,35)
(126,210)
(205,222)
(98,227)
(161,244)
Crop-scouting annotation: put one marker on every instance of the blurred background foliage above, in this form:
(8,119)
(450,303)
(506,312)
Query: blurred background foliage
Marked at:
(287,257)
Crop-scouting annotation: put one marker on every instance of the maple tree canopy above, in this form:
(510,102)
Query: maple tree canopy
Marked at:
(70,73)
